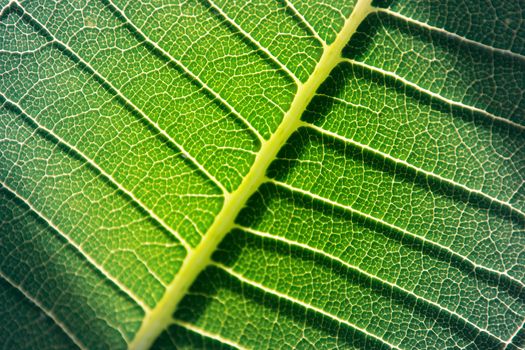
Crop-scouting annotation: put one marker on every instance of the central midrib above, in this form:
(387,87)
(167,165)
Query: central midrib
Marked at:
(156,320)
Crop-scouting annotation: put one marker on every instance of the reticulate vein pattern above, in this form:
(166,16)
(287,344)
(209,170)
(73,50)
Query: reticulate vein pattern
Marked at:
(262,174)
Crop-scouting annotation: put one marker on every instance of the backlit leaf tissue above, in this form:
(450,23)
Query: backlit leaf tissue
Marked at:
(264,174)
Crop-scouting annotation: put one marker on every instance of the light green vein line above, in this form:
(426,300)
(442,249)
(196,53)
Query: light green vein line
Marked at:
(104,174)
(197,260)
(26,52)
(79,248)
(187,71)
(139,259)
(306,23)
(395,228)
(194,329)
(348,103)
(117,92)
(255,42)
(413,167)
(433,94)
(514,334)
(367,274)
(447,33)
(6,7)
(47,312)
(298,302)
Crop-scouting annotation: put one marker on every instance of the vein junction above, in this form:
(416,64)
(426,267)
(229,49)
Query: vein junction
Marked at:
(197,260)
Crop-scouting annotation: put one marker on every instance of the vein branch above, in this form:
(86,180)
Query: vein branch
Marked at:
(121,96)
(107,176)
(78,247)
(413,167)
(403,231)
(196,78)
(362,272)
(46,311)
(301,303)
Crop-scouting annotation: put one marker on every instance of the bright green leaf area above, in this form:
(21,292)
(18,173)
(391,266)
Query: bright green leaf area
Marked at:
(262,174)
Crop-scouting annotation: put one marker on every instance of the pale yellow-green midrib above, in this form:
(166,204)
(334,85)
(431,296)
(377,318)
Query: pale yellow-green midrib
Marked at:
(159,318)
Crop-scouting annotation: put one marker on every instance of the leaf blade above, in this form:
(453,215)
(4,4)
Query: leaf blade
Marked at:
(415,207)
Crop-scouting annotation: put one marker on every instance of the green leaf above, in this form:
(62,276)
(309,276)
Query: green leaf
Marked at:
(262,174)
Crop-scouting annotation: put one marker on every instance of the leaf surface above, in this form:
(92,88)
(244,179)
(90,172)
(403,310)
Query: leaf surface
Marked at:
(261,174)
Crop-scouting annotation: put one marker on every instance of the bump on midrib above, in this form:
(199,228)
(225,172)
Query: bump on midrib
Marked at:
(196,261)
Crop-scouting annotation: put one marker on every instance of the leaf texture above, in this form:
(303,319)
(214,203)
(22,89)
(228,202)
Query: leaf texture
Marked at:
(262,174)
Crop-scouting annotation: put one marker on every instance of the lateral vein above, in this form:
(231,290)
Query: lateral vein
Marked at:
(414,168)
(127,101)
(301,303)
(79,248)
(103,173)
(511,338)
(48,313)
(306,23)
(360,271)
(255,42)
(6,7)
(403,231)
(187,71)
(194,329)
(447,33)
(433,94)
